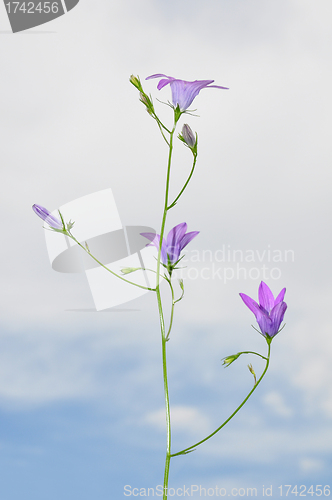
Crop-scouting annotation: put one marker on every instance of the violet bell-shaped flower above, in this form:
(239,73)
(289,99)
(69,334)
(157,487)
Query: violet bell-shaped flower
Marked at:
(46,215)
(269,312)
(183,92)
(171,248)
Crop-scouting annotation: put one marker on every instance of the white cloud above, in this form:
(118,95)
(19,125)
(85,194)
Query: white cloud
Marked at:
(309,465)
(275,401)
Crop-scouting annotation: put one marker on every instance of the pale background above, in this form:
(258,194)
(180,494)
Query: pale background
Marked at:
(81,392)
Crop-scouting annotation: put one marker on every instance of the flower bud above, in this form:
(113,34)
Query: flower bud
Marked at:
(252,372)
(53,222)
(136,82)
(147,102)
(188,136)
(128,270)
(230,359)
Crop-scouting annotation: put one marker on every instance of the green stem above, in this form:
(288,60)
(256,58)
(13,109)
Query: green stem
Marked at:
(257,354)
(161,318)
(186,184)
(107,269)
(187,450)
(172,310)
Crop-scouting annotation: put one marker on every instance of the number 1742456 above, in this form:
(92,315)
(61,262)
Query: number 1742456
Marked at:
(32,7)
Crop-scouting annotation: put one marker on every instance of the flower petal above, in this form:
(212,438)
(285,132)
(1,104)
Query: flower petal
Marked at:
(150,236)
(165,81)
(266,299)
(216,87)
(183,93)
(280,297)
(187,239)
(157,75)
(251,303)
(176,234)
(265,324)
(277,316)
(174,253)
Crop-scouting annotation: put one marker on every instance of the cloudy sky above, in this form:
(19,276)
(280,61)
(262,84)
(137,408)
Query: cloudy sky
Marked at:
(81,401)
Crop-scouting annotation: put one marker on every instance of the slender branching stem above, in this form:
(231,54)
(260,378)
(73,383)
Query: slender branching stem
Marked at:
(107,269)
(185,185)
(191,448)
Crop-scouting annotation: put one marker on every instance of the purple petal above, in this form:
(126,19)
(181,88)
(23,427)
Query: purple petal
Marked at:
(174,253)
(157,75)
(183,93)
(155,240)
(150,236)
(251,303)
(277,316)
(187,239)
(217,87)
(280,297)
(266,299)
(163,83)
(265,324)
(46,215)
(176,234)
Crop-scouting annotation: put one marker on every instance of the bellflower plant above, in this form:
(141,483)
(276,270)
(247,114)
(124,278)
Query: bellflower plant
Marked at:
(269,312)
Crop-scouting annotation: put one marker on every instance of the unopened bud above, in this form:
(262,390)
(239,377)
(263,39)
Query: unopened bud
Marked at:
(128,270)
(147,102)
(230,359)
(188,136)
(136,82)
(252,371)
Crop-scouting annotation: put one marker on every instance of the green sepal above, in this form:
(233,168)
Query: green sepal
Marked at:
(177,113)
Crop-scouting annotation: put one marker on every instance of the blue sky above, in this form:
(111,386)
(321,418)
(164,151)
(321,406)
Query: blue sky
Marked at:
(81,392)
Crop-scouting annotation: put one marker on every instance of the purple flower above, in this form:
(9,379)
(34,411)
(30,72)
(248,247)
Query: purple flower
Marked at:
(46,215)
(270,311)
(183,93)
(175,242)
